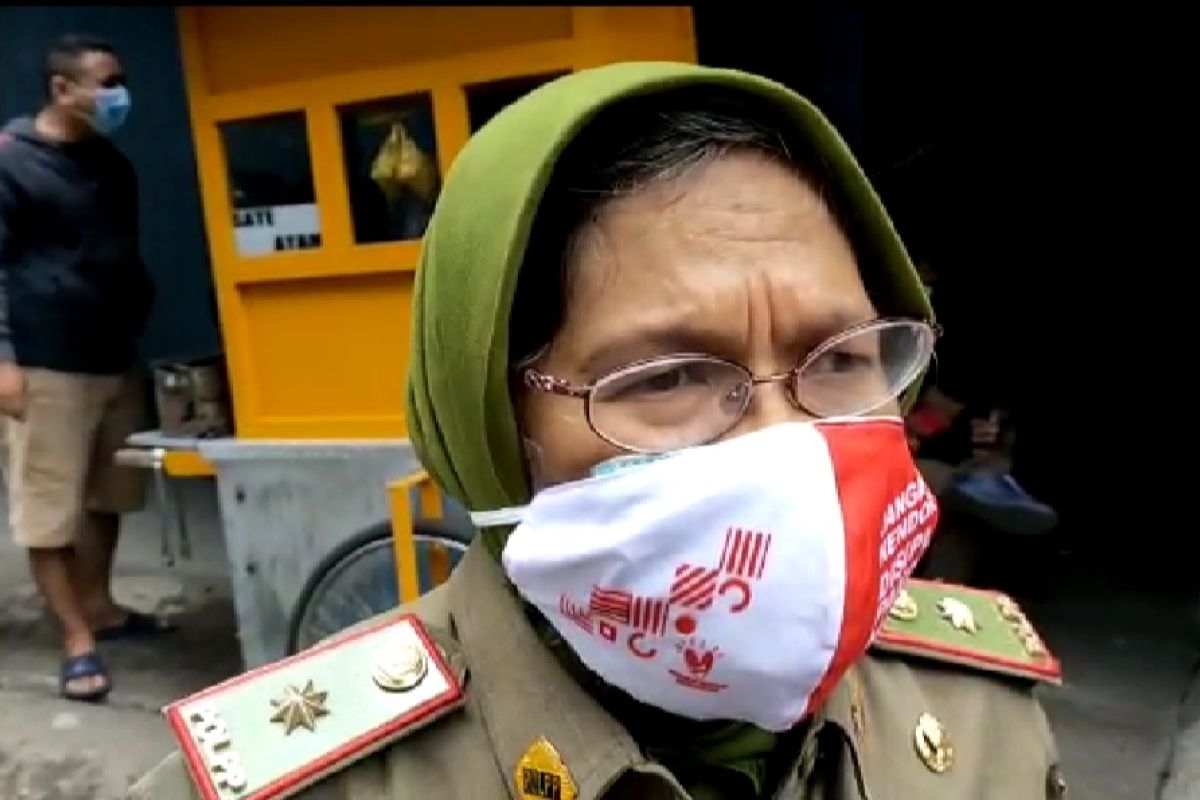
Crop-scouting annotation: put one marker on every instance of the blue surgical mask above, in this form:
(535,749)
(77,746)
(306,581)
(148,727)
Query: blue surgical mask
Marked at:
(622,463)
(112,109)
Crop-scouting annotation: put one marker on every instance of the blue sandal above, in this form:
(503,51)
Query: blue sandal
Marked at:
(87,665)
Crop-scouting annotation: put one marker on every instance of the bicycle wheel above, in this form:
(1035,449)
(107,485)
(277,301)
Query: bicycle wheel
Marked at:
(357,580)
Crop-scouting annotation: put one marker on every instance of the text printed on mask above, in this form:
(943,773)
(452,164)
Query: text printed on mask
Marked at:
(904,536)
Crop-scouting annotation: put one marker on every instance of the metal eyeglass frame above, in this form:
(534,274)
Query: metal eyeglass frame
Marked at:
(551,384)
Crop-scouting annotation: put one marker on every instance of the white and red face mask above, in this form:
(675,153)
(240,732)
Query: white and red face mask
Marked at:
(737,580)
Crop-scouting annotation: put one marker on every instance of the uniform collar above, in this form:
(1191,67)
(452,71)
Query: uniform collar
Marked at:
(524,694)
(845,719)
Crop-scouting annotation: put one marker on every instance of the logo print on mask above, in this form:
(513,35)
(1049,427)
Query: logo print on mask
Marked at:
(609,612)
(699,660)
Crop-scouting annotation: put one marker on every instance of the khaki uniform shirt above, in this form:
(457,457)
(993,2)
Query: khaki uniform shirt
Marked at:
(862,748)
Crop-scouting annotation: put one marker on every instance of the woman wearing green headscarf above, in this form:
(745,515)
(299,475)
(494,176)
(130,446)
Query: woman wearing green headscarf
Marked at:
(663,333)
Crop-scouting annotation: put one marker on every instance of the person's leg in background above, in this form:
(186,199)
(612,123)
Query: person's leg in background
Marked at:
(954,552)
(95,552)
(48,455)
(110,492)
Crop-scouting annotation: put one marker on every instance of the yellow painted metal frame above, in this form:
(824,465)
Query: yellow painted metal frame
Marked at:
(403,518)
(186,464)
(598,35)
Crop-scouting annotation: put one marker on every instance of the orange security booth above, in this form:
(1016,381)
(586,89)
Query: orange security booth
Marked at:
(322,136)
(312,260)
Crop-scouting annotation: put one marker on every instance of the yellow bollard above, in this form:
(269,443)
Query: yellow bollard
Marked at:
(403,519)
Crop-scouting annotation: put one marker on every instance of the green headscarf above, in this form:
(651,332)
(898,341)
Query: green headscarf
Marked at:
(460,415)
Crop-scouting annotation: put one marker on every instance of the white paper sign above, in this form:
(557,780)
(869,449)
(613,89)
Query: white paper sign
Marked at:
(272,229)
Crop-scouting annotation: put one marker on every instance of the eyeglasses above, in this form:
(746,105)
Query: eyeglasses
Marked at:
(682,400)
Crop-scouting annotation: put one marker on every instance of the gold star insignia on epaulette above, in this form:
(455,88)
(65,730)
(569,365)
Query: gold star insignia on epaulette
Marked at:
(905,608)
(1008,609)
(299,708)
(958,614)
(1012,614)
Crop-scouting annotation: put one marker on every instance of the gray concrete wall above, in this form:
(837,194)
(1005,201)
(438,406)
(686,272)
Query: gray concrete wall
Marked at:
(157,138)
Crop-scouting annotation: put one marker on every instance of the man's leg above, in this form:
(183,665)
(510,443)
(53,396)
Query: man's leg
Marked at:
(47,466)
(111,491)
(96,550)
(53,572)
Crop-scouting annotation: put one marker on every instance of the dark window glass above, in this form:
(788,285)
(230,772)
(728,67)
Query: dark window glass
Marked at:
(271,184)
(391,167)
(485,100)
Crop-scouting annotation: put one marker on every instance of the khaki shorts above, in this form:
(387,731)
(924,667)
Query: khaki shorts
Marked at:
(59,463)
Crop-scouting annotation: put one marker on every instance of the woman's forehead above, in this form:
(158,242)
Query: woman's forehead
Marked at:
(741,210)
(742,236)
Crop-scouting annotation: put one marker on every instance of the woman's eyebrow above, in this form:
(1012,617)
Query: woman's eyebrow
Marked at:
(662,337)
(816,328)
(650,339)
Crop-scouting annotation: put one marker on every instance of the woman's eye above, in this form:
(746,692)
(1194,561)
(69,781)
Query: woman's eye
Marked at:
(843,361)
(664,381)
(657,382)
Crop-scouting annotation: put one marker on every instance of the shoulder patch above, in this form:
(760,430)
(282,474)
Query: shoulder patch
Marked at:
(274,731)
(972,627)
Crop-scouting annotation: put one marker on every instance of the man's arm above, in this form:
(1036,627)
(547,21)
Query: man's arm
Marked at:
(12,383)
(8,214)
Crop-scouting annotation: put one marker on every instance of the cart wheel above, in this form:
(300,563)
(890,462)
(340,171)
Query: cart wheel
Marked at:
(357,580)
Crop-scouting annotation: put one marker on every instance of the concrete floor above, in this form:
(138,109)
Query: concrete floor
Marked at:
(1127,660)
(1123,715)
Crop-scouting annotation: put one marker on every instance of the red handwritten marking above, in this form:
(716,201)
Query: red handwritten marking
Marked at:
(686,625)
(608,631)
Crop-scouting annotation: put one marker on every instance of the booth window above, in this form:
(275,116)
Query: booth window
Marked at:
(271,184)
(391,167)
(486,100)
